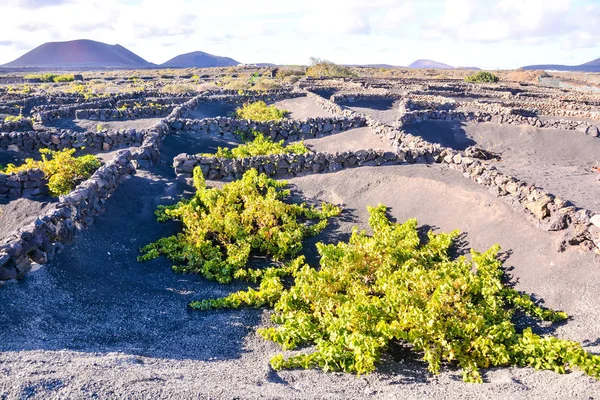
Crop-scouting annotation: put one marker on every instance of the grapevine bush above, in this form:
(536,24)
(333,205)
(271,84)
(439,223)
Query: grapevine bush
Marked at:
(482,77)
(259,111)
(260,146)
(62,170)
(224,227)
(391,287)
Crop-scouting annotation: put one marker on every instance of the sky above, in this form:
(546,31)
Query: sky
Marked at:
(501,34)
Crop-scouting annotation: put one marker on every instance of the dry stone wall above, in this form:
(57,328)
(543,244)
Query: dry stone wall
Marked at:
(23,184)
(498,118)
(105,140)
(24,124)
(286,129)
(282,165)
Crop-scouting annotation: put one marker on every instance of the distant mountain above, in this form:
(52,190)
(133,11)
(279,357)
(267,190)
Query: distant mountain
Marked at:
(79,54)
(199,59)
(592,66)
(469,68)
(429,64)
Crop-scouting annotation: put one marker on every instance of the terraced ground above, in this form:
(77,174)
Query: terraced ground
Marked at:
(93,322)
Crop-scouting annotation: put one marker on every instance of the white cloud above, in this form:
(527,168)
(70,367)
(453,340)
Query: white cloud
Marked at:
(523,21)
(354,31)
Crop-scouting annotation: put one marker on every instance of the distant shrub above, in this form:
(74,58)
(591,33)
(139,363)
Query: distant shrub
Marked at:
(13,118)
(41,77)
(259,111)
(229,83)
(326,69)
(64,78)
(260,146)
(63,171)
(25,89)
(266,84)
(482,77)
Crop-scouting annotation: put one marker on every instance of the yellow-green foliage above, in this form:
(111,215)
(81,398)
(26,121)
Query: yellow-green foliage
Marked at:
(482,77)
(223,227)
(327,69)
(41,77)
(392,287)
(64,78)
(13,118)
(25,89)
(259,111)
(266,84)
(86,91)
(260,146)
(62,170)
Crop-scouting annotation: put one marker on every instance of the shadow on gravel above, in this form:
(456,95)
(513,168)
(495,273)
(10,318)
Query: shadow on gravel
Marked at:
(447,133)
(326,93)
(211,110)
(15,157)
(192,143)
(375,104)
(95,297)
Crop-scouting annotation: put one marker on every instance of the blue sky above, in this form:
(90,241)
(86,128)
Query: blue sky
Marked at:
(486,34)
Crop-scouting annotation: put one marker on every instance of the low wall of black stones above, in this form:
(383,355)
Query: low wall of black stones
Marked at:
(513,119)
(31,141)
(24,124)
(29,183)
(282,165)
(43,114)
(287,129)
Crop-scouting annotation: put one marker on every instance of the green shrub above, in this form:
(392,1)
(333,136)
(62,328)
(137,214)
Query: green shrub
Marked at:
(266,84)
(391,287)
(259,111)
(64,78)
(482,77)
(223,227)
(63,171)
(13,118)
(326,69)
(284,72)
(260,146)
(51,77)
(41,77)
